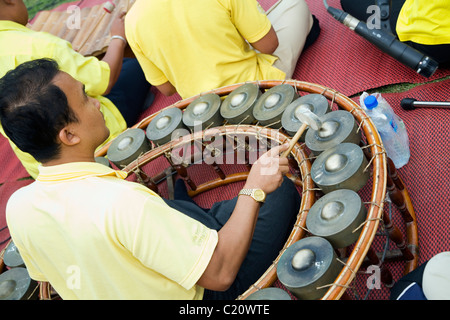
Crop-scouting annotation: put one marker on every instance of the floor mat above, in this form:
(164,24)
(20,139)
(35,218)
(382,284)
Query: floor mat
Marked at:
(428,171)
(12,169)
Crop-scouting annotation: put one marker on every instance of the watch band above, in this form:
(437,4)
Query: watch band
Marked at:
(251,193)
(246,192)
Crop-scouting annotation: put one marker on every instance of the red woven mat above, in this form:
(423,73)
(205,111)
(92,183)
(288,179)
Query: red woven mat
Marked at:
(12,169)
(427,174)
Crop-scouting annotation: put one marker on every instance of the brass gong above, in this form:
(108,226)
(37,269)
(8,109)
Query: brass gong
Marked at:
(166,126)
(340,167)
(337,127)
(316,103)
(127,147)
(203,112)
(270,106)
(335,216)
(103,160)
(237,108)
(271,293)
(12,257)
(307,265)
(16,284)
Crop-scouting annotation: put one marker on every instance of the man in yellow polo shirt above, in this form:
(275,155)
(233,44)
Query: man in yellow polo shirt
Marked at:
(194,46)
(426,26)
(101,78)
(94,235)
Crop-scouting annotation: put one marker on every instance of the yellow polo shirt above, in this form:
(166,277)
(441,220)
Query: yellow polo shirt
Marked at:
(199,45)
(94,235)
(19,44)
(424,22)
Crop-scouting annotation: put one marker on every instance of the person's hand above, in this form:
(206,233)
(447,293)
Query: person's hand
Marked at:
(268,171)
(118,26)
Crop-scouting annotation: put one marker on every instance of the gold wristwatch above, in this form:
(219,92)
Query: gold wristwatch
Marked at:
(257,194)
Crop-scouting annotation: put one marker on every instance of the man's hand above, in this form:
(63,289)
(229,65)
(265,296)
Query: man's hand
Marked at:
(268,171)
(118,25)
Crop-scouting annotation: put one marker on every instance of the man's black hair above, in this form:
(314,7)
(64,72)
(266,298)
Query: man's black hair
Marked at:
(33,109)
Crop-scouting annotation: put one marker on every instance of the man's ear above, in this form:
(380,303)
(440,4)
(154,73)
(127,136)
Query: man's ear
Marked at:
(68,137)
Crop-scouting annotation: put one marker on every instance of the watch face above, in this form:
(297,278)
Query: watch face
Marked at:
(259,195)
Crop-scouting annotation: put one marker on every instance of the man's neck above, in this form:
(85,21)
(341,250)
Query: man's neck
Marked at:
(8,18)
(70,157)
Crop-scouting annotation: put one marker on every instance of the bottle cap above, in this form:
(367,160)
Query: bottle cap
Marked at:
(370,102)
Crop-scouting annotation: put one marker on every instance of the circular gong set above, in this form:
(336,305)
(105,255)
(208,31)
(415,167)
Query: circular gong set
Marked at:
(328,165)
(278,107)
(15,282)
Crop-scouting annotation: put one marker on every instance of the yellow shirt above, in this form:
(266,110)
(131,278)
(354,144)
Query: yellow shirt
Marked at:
(425,22)
(199,45)
(19,44)
(93,235)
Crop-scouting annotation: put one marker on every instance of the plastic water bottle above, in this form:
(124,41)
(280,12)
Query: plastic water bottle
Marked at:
(391,128)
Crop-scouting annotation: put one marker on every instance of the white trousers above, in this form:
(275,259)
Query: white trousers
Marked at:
(292,21)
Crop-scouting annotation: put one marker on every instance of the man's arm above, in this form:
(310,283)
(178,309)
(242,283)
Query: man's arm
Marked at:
(267,44)
(166,89)
(236,235)
(114,55)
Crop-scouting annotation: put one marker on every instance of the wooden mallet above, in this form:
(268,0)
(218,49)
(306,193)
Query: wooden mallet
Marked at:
(307,118)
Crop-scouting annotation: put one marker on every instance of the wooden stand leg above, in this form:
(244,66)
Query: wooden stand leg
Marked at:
(213,150)
(182,171)
(144,179)
(395,192)
(396,236)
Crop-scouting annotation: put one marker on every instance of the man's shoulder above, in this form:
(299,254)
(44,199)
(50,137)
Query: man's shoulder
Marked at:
(20,198)
(24,191)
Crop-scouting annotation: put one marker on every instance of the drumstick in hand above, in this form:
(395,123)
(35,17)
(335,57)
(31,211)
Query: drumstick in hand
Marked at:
(307,118)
